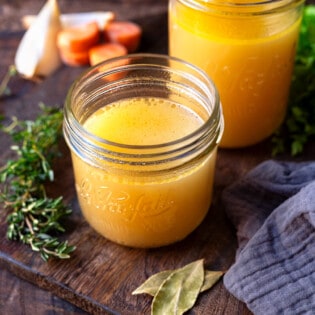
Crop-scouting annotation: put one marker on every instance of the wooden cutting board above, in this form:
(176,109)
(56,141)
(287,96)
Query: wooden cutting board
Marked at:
(100,275)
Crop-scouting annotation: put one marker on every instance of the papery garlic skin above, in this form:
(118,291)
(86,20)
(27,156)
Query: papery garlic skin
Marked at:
(37,53)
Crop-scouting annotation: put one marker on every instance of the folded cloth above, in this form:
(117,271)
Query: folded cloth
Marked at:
(273,211)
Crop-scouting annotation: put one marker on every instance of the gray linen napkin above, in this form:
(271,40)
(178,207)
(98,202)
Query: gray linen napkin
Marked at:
(273,211)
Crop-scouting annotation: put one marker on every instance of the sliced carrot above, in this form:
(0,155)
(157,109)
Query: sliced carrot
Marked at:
(106,51)
(75,59)
(79,38)
(125,33)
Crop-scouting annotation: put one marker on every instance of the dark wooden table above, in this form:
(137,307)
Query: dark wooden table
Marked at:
(100,276)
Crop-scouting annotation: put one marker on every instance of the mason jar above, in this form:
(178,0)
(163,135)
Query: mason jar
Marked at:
(143,132)
(248,49)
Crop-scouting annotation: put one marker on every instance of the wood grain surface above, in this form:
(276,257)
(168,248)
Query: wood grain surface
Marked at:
(101,275)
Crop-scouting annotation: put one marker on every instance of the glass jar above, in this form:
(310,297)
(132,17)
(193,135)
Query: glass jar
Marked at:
(248,49)
(143,132)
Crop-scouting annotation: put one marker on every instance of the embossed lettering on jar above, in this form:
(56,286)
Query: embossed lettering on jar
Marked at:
(143,132)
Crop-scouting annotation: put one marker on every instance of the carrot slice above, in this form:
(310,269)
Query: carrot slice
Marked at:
(105,51)
(74,59)
(125,33)
(79,38)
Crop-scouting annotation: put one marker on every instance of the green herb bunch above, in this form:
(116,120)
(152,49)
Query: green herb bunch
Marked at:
(34,218)
(299,125)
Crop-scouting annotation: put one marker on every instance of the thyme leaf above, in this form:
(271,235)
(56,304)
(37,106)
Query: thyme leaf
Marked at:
(34,218)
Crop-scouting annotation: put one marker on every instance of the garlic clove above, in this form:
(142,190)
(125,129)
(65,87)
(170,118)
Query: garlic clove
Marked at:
(37,53)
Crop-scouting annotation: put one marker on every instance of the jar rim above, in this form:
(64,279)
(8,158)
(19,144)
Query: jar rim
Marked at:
(93,147)
(243,7)
(202,73)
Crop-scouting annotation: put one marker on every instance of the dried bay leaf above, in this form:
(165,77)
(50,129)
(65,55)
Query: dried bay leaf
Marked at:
(172,288)
(152,284)
(211,278)
(178,293)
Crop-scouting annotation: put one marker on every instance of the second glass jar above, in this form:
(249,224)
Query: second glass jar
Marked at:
(248,49)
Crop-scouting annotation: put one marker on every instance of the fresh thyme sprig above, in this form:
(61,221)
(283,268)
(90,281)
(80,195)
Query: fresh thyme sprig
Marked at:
(4,85)
(34,218)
